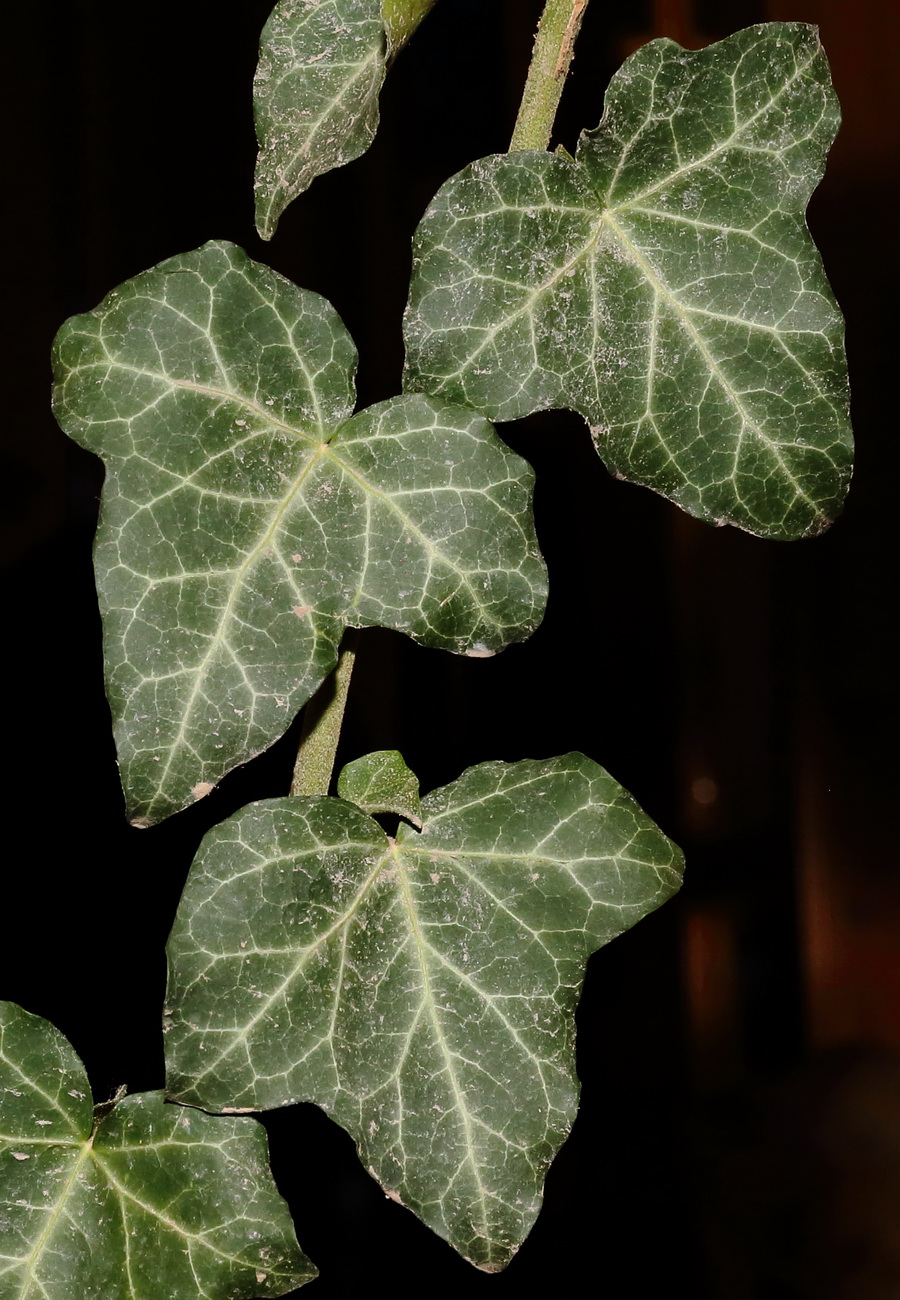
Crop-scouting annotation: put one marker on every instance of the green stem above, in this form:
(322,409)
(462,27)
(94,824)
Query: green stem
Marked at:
(553,49)
(554,46)
(322,720)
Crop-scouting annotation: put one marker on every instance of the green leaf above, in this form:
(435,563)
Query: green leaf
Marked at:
(381,783)
(664,284)
(421,990)
(246,518)
(401,18)
(152,1202)
(315,95)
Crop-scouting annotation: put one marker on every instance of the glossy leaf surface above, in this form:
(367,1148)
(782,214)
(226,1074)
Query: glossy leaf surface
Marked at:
(663,284)
(246,518)
(421,990)
(148,1202)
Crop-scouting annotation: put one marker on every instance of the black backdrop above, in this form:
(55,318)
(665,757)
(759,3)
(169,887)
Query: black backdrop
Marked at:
(671,652)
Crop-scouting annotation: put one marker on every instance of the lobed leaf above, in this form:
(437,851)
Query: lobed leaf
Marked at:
(153,1201)
(421,990)
(663,284)
(246,518)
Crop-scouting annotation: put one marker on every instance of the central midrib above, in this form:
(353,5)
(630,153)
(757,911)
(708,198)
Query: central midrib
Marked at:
(322,447)
(321,450)
(431,1008)
(658,284)
(225,617)
(53,1217)
(607,218)
(359,69)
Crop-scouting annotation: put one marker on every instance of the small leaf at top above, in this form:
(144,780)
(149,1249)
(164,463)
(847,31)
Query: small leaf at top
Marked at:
(381,783)
(315,95)
(664,284)
(246,518)
(421,990)
(154,1202)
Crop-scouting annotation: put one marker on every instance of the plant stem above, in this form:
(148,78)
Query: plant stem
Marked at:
(554,46)
(322,719)
(553,49)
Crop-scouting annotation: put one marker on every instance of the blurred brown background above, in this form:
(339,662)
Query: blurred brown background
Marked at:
(740,1050)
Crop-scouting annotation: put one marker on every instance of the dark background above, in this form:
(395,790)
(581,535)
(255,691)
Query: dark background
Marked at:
(740,1127)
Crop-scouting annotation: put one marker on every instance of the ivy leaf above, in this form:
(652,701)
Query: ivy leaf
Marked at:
(246,518)
(381,783)
(321,67)
(315,95)
(401,18)
(420,990)
(145,1202)
(664,284)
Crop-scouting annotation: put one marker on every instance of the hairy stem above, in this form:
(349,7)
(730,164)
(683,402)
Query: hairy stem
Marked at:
(554,46)
(322,720)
